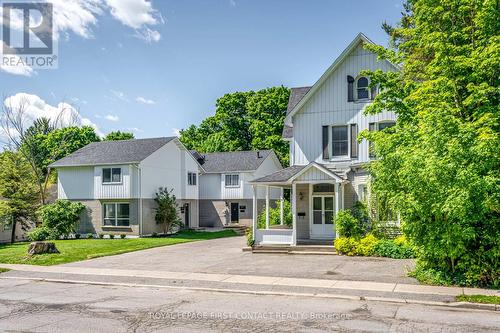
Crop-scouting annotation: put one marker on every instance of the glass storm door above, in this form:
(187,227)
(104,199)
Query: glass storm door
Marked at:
(323,210)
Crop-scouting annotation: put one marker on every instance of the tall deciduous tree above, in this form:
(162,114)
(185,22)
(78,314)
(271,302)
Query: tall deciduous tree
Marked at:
(440,165)
(243,121)
(18,191)
(118,135)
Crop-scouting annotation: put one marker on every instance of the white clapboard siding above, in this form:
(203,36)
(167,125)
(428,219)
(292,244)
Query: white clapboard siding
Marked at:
(329,106)
(112,191)
(75,183)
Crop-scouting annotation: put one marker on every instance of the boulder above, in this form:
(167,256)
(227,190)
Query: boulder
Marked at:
(42,247)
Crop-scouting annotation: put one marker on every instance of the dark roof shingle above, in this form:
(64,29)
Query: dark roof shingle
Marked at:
(232,161)
(113,152)
(280,176)
(296,95)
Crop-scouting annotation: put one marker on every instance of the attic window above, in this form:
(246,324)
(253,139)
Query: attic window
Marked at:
(362,88)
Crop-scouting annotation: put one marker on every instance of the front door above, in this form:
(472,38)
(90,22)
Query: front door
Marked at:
(235,212)
(323,209)
(186,215)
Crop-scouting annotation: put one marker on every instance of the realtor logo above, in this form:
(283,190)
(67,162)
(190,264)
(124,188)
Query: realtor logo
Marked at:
(27,33)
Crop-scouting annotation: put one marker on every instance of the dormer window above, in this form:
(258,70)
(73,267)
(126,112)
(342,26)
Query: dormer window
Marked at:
(362,88)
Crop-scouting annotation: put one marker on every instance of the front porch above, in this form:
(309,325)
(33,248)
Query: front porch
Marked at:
(316,196)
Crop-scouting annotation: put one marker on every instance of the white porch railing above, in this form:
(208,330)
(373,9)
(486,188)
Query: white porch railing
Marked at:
(273,236)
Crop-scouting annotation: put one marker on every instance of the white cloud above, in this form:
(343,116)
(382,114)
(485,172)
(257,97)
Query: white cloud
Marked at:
(143,100)
(176,131)
(111,117)
(120,95)
(21,69)
(135,129)
(63,114)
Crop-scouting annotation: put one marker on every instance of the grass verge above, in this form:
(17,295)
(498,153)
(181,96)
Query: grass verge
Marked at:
(479,299)
(82,249)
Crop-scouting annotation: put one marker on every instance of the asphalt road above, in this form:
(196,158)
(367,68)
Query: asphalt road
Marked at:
(30,306)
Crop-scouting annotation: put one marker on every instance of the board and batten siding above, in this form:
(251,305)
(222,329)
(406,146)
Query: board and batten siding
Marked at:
(210,186)
(329,106)
(113,191)
(75,183)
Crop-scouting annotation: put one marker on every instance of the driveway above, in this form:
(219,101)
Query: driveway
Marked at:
(225,256)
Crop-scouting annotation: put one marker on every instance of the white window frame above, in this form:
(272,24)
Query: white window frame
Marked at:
(192,176)
(330,143)
(231,175)
(111,174)
(116,218)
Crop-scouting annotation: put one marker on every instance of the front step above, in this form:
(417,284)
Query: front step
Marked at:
(299,249)
(238,229)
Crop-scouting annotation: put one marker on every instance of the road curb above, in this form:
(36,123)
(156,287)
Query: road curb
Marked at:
(463,305)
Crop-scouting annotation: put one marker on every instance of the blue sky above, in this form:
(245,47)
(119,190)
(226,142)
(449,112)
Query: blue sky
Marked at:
(162,69)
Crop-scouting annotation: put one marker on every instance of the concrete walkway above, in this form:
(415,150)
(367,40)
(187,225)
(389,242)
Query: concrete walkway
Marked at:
(231,279)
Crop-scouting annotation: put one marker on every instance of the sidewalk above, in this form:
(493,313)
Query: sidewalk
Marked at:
(241,282)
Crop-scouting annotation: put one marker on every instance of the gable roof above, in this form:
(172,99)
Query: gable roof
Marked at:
(359,38)
(113,152)
(249,160)
(296,95)
(288,175)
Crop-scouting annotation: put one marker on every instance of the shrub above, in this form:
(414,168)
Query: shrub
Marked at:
(111,236)
(77,236)
(249,235)
(275,215)
(154,235)
(360,213)
(346,245)
(61,217)
(366,246)
(38,234)
(166,210)
(347,225)
(90,236)
(122,236)
(389,248)
(101,236)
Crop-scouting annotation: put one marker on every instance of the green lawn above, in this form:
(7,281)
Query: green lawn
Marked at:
(479,299)
(81,249)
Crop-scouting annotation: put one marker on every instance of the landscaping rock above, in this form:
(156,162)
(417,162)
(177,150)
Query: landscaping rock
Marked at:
(42,247)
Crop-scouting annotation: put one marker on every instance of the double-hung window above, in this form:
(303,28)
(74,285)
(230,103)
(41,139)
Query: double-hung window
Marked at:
(192,178)
(111,175)
(116,214)
(340,141)
(232,180)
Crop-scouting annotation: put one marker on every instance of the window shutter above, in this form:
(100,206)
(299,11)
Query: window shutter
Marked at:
(354,141)
(326,154)
(350,88)
(371,128)
(374,91)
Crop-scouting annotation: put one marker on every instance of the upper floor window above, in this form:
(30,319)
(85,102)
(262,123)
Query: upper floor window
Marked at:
(378,127)
(232,180)
(111,175)
(192,178)
(340,141)
(362,88)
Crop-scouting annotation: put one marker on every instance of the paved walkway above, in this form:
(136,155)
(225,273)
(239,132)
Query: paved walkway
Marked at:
(255,280)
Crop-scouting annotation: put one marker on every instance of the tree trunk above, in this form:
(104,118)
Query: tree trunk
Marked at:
(42,247)
(13,231)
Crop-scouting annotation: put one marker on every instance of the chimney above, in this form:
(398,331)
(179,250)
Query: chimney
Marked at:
(258,154)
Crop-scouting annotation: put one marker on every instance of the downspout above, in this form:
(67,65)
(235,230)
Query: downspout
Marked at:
(139,190)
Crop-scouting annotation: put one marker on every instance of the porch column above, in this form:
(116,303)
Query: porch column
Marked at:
(282,197)
(254,213)
(294,213)
(337,204)
(267,206)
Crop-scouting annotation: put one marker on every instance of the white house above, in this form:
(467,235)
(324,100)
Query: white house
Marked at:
(327,164)
(117,182)
(225,195)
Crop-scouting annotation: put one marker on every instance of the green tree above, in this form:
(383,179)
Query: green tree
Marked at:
(60,218)
(440,165)
(243,121)
(18,191)
(118,135)
(166,210)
